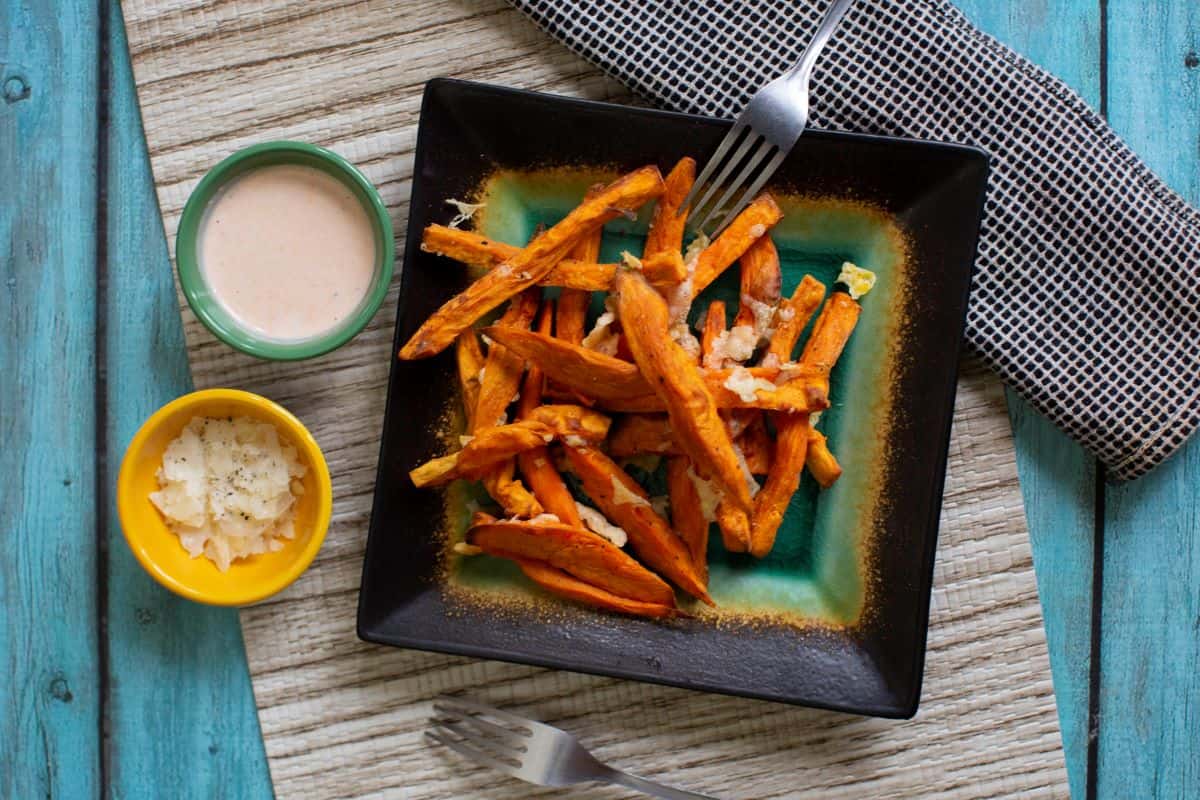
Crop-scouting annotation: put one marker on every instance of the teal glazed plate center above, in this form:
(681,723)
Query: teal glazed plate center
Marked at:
(204,302)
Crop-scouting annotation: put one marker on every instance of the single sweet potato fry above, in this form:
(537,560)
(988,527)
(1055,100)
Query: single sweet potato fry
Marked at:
(626,503)
(687,514)
(537,468)
(576,367)
(534,385)
(501,377)
(793,315)
(771,502)
(470,359)
(733,522)
(820,461)
(571,273)
(502,370)
(761,284)
(564,584)
(735,527)
(573,423)
(482,453)
(714,326)
(667,224)
(491,446)
(573,303)
(746,228)
(830,333)
(586,555)
(794,437)
(678,382)
(532,263)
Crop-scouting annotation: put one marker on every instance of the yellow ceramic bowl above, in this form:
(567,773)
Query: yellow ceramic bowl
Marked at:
(248,580)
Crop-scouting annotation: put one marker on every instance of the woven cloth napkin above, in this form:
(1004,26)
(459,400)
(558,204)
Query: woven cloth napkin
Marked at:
(1087,288)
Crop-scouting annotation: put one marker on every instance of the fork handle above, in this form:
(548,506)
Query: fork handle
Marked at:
(654,789)
(833,15)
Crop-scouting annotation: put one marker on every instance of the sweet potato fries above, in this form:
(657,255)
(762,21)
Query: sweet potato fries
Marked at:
(726,413)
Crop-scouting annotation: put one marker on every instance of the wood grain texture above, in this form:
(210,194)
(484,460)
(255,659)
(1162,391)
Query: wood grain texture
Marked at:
(173,662)
(49,686)
(1058,478)
(1149,684)
(341,718)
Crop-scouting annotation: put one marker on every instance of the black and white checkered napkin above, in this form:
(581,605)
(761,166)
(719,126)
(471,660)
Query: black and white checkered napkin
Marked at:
(1087,293)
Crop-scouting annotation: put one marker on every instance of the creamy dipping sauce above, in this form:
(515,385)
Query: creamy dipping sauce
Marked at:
(287,250)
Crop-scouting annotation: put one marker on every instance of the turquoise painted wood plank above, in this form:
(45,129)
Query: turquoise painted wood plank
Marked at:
(1057,476)
(49,684)
(182,719)
(1149,683)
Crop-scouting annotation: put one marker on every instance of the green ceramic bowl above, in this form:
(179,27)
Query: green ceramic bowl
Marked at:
(214,315)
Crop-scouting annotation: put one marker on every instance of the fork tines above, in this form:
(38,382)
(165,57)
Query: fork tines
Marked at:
(461,725)
(752,152)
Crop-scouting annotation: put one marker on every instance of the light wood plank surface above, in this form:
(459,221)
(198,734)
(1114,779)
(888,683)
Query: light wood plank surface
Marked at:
(340,717)
(1149,682)
(1144,749)
(180,713)
(1058,478)
(50,692)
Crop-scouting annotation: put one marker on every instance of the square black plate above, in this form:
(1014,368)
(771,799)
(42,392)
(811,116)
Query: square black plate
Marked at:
(934,192)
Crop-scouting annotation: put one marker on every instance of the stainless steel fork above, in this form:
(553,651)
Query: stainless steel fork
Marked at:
(529,750)
(766,131)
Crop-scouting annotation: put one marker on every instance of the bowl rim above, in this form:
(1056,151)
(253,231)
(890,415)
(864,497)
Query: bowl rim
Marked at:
(196,289)
(298,435)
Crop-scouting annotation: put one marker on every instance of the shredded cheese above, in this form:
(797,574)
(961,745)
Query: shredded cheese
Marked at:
(576,441)
(751,484)
(661,505)
(743,383)
(464,549)
(602,338)
(710,496)
(858,281)
(764,316)
(734,345)
(466,211)
(623,496)
(227,488)
(596,523)
(684,338)
(630,261)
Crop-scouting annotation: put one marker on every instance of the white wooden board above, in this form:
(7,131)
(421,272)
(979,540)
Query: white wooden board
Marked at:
(341,718)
